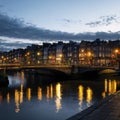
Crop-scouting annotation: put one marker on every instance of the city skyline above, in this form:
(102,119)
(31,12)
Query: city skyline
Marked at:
(33,22)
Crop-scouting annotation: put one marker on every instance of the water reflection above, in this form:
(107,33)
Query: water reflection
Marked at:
(29,94)
(49,94)
(8,97)
(89,95)
(80,96)
(54,99)
(88,98)
(17,102)
(110,87)
(17,79)
(58,97)
(18,98)
(39,93)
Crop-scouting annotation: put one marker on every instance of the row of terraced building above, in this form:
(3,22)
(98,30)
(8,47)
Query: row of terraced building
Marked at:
(96,53)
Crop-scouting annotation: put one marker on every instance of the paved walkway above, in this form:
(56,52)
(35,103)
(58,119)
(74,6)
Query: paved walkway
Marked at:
(107,109)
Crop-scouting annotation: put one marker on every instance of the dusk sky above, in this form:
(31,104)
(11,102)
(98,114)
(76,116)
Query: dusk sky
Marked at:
(25,22)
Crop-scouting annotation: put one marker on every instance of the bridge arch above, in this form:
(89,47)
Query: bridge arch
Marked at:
(108,70)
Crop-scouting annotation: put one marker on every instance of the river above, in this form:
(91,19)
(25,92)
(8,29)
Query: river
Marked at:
(26,99)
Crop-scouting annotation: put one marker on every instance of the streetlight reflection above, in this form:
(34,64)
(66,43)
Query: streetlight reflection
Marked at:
(80,96)
(89,95)
(58,97)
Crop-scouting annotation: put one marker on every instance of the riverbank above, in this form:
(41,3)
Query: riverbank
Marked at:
(107,109)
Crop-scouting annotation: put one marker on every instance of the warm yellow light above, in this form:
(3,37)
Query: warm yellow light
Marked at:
(58,97)
(38,62)
(80,96)
(82,50)
(50,57)
(116,50)
(105,83)
(39,93)
(51,91)
(28,53)
(89,54)
(48,93)
(89,94)
(38,53)
(110,87)
(80,55)
(28,62)
(8,97)
(2,57)
(114,86)
(17,98)
(103,94)
(21,93)
(60,55)
(29,94)
(80,93)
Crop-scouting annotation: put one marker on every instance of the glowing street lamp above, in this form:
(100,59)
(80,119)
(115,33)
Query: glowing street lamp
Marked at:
(60,55)
(38,53)
(117,54)
(116,51)
(28,53)
(89,54)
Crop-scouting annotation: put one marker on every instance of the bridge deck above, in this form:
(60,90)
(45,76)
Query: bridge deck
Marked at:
(108,109)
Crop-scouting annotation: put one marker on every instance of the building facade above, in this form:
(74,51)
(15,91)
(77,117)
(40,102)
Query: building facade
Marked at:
(84,53)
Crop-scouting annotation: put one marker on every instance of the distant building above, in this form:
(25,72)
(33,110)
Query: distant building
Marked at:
(85,53)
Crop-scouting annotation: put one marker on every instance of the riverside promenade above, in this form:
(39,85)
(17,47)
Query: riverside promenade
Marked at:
(107,109)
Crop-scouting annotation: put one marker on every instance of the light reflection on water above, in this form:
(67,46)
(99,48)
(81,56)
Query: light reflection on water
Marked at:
(58,97)
(60,100)
(17,79)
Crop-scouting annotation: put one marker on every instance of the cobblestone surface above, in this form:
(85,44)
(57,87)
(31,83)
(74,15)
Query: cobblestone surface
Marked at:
(108,109)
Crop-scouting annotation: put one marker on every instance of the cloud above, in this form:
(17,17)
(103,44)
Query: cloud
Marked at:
(104,21)
(15,33)
(94,24)
(70,21)
(12,27)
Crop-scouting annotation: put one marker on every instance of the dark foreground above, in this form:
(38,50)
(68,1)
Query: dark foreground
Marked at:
(108,109)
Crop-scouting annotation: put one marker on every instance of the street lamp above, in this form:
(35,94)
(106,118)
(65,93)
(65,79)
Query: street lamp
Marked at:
(28,53)
(117,54)
(38,53)
(89,54)
(116,51)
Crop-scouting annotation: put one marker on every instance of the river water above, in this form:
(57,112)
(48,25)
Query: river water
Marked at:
(26,99)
